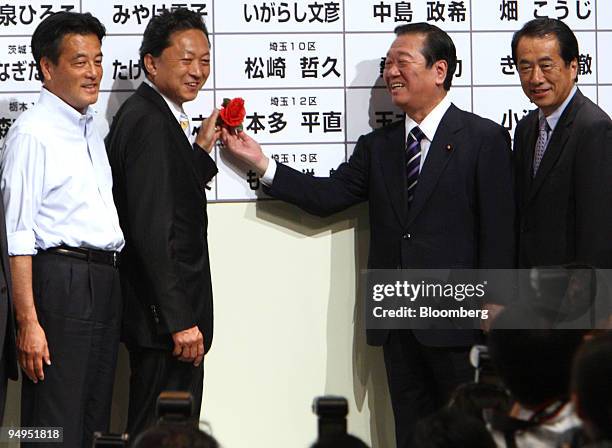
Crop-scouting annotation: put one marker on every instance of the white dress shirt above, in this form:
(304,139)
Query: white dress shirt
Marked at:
(553,118)
(56,181)
(428,126)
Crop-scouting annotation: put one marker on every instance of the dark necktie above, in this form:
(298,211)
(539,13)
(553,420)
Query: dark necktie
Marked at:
(413,161)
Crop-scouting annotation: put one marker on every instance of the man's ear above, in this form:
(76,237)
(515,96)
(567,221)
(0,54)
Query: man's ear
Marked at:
(150,64)
(46,67)
(441,68)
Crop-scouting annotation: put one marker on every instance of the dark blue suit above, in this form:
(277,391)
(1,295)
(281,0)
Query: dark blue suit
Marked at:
(462,216)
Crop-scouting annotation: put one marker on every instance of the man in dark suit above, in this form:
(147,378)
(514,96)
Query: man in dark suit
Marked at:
(159,180)
(439,187)
(563,155)
(8,355)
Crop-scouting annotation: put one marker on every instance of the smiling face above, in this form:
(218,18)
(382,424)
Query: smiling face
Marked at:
(76,76)
(545,77)
(414,87)
(181,70)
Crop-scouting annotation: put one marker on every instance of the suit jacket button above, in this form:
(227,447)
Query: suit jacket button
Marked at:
(406,236)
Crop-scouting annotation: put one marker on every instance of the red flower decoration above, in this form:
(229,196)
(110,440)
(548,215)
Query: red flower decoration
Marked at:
(232,113)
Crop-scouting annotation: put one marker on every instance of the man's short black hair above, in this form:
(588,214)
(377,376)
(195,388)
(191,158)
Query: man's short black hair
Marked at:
(156,37)
(449,428)
(438,46)
(177,435)
(568,44)
(535,365)
(339,441)
(591,384)
(48,36)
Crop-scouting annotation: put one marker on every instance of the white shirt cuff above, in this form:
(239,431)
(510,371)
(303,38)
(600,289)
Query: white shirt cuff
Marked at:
(21,242)
(268,176)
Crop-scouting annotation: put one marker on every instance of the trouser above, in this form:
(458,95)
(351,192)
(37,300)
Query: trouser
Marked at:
(3,385)
(421,379)
(153,371)
(79,307)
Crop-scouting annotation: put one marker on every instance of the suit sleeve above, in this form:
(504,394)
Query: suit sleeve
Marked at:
(323,196)
(206,168)
(593,191)
(150,172)
(496,215)
(496,204)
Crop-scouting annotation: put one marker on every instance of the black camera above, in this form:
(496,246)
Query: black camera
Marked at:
(332,411)
(484,370)
(107,440)
(174,407)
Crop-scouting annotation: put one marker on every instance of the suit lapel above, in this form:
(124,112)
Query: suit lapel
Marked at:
(183,148)
(436,160)
(556,144)
(527,145)
(393,166)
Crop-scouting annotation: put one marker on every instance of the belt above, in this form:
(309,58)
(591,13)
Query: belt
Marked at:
(110,258)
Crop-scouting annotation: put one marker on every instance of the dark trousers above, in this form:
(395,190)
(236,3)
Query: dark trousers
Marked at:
(421,379)
(79,308)
(3,385)
(153,371)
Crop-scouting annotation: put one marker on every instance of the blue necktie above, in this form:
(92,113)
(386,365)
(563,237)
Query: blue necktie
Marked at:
(413,161)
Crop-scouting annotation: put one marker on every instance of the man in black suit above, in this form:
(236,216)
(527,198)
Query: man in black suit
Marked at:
(159,180)
(439,187)
(8,355)
(563,155)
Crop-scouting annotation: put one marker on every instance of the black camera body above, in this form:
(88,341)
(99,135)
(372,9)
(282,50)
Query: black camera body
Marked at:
(107,440)
(174,407)
(332,412)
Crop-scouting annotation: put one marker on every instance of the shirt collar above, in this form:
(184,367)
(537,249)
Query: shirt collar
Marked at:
(553,118)
(176,110)
(63,109)
(430,123)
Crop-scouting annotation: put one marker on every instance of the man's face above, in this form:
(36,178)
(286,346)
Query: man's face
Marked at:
(414,88)
(181,69)
(77,75)
(545,77)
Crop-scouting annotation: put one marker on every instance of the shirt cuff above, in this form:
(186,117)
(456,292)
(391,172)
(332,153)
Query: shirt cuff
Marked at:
(21,242)
(268,176)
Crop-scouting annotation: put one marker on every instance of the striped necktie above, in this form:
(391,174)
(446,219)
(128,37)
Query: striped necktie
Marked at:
(413,161)
(541,143)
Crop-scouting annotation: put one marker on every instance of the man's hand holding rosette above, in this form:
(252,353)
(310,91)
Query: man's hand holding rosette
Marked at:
(209,133)
(235,140)
(229,118)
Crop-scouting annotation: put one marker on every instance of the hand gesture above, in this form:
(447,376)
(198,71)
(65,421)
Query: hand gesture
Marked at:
(189,345)
(209,133)
(245,149)
(32,350)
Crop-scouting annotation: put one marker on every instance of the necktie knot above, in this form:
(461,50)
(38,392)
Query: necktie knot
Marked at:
(544,126)
(416,134)
(184,121)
